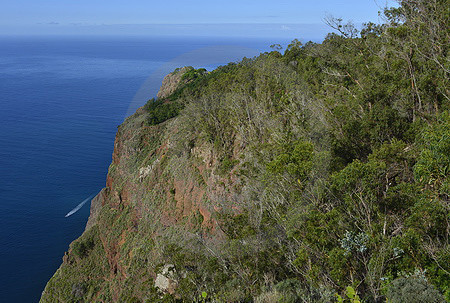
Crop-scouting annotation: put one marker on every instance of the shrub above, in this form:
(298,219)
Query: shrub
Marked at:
(413,290)
(161,110)
(82,246)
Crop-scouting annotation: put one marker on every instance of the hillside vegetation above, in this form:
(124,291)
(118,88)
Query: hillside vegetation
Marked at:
(320,174)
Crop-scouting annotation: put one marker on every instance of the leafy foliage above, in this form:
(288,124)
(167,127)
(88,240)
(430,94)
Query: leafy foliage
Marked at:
(413,289)
(162,110)
(324,170)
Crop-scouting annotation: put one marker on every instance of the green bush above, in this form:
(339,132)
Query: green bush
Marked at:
(193,74)
(82,247)
(413,289)
(161,110)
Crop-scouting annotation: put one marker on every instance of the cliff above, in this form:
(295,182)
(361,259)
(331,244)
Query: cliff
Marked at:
(309,176)
(157,188)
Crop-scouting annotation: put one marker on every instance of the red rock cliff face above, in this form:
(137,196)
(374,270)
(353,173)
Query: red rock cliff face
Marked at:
(156,189)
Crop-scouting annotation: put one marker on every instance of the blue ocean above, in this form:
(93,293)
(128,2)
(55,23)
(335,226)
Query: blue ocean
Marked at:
(61,100)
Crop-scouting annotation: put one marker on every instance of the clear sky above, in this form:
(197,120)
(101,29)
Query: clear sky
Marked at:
(76,16)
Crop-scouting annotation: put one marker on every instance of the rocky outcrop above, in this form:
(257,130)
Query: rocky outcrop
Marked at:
(166,281)
(171,82)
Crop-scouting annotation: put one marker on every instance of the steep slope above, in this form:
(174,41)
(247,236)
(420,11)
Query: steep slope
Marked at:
(156,188)
(301,177)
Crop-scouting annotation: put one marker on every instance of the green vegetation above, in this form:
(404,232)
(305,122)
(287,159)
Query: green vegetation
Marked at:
(162,110)
(192,74)
(82,247)
(316,175)
(413,289)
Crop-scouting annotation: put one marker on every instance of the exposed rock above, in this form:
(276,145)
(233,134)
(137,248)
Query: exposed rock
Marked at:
(171,82)
(165,281)
(96,204)
(66,258)
(145,171)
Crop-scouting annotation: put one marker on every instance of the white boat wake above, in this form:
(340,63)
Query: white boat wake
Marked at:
(79,206)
